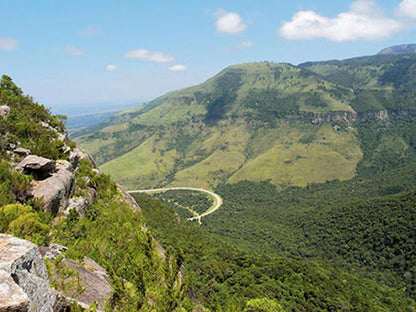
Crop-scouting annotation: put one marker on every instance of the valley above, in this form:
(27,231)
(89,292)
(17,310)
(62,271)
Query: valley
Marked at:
(315,166)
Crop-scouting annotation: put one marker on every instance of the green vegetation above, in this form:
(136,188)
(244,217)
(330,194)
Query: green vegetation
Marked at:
(226,278)
(112,233)
(185,202)
(29,123)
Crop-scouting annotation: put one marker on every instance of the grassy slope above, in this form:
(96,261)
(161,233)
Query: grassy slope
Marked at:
(219,149)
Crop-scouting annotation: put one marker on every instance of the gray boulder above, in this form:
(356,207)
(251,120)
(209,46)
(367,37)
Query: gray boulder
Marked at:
(37,166)
(21,262)
(54,191)
(4,111)
(21,151)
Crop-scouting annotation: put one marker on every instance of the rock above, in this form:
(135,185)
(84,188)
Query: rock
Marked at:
(4,111)
(83,155)
(52,251)
(54,191)
(37,166)
(74,159)
(96,283)
(128,198)
(21,262)
(21,151)
(12,297)
(65,165)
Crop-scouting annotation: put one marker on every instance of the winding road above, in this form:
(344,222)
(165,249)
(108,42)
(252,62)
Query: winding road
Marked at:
(216,206)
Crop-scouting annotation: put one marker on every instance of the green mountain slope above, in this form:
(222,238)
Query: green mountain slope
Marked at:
(250,122)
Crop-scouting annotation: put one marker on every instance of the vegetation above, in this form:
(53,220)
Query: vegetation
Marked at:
(226,278)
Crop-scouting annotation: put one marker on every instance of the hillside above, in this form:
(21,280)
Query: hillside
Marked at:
(293,125)
(97,249)
(253,121)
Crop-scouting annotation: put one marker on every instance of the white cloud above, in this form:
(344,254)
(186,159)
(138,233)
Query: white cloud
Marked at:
(177,68)
(111,67)
(226,50)
(153,56)
(8,44)
(229,23)
(246,44)
(90,31)
(74,51)
(364,21)
(407,8)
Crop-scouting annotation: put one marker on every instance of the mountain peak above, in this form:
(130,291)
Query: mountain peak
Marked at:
(399,49)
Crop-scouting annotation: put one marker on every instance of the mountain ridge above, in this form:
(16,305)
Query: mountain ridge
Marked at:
(214,132)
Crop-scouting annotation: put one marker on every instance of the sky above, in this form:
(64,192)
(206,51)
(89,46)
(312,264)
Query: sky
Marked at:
(102,54)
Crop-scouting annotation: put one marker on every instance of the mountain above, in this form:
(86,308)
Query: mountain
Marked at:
(292,125)
(399,49)
(277,244)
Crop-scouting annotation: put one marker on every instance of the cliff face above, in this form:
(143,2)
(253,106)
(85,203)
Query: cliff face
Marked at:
(24,280)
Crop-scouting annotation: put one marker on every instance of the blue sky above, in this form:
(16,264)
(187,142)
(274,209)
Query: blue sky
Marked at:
(72,54)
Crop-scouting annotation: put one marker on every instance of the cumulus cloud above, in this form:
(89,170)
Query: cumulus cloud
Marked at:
(153,56)
(74,51)
(90,31)
(407,8)
(363,21)
(229,23)
(246,44)
(111,67)
(8,44)
(177,68)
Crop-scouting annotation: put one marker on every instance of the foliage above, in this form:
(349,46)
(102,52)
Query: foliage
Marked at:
(24,123)
(24,222)
(226,278)
(13,184)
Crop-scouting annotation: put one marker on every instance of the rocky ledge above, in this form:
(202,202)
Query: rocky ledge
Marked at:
(24,284)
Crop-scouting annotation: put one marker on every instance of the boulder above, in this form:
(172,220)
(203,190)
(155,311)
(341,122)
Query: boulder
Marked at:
(95,281)
(12,297)
(65,165)
(37,166)
(4,111)
(83,155)
(74,159)
(54,191)
(21,262)
(20,151)
(93,278)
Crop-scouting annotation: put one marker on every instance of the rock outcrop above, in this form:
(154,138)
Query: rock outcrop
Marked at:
(24,284)
(93,279)
(55,191)
(4,111)
(39,167)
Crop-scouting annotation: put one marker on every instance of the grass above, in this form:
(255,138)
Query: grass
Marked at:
(324,155)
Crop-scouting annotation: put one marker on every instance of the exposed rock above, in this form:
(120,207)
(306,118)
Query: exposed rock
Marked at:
(128,198)
(37,166)
(21,262)
(12,297)
(83,155)
(54,191)
(64,165)
(381,115)
(21,151)
(74,159)
(52,251)
(4,111)
(82,203)
(96,283)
